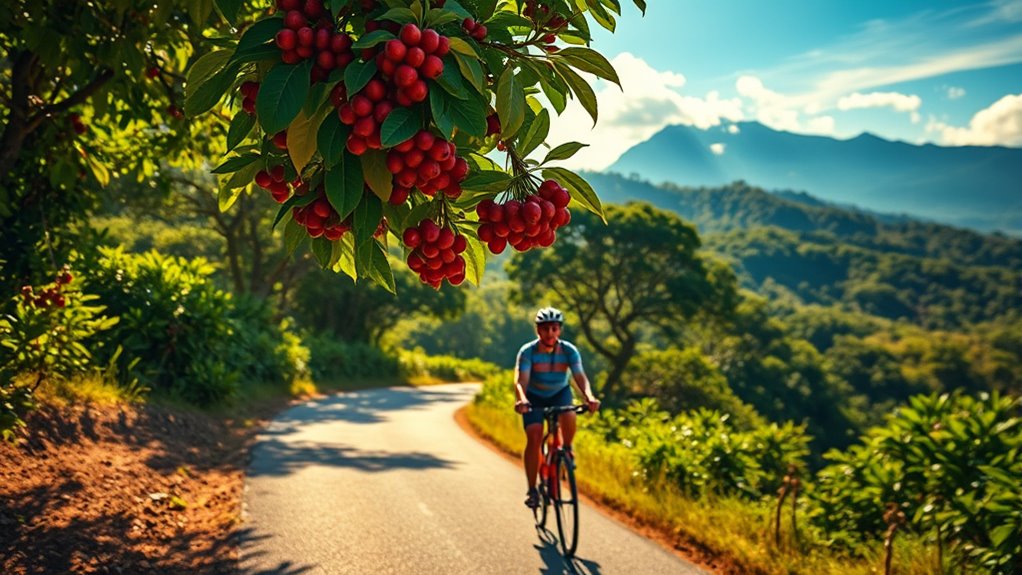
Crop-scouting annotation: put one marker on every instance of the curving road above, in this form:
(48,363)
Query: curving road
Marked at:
(384,481)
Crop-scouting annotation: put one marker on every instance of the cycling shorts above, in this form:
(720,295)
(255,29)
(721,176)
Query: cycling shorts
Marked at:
(535,415)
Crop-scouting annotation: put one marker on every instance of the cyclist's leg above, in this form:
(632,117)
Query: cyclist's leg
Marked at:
(567,419)
(532,421)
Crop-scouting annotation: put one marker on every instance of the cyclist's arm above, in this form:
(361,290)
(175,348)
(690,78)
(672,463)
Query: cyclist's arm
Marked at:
(522,370)
(584,387)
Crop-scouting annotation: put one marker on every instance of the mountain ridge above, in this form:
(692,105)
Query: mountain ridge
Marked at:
(969,186)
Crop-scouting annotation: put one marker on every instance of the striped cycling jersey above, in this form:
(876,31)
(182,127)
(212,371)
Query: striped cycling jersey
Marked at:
(548,371)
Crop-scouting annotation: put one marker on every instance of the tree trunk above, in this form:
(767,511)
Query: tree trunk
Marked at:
(17,127)
(619,363)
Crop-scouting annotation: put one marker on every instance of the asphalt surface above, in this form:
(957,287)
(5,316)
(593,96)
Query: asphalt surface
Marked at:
(384,481)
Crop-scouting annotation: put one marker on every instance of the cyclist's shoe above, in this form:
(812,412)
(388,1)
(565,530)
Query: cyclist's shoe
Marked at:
(532,498)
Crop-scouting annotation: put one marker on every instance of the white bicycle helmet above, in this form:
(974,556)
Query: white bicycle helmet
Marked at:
(548,315)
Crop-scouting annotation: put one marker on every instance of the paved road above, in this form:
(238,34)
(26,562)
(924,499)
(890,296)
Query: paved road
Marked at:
(384,481)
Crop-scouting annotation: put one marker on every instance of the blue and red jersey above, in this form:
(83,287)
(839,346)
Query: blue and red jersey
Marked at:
(548,371)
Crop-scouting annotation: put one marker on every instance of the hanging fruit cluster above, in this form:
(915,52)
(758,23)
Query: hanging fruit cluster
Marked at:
(362,117)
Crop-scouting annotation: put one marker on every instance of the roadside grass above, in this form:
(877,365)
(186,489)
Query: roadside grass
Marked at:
(725,531)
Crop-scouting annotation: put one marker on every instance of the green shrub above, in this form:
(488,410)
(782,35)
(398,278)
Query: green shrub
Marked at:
(416,363)
(334,360)
(951,463)
(44,337)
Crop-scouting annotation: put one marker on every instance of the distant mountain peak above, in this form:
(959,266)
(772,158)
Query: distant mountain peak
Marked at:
(972,186)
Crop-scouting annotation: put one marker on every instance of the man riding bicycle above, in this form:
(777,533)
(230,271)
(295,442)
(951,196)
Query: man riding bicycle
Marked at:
(541,380)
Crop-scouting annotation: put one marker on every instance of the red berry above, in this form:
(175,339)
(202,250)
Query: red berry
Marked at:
(325,60)
(424,140)
(294,20)
(410,34)
(531,213)
(413,158)
(418,91)
(395,50)
(415,57)
(362,106)
(306,36)
(432,67)
(430,231)
(382,109)
(443,47)
(290,57)
(394,162)
(339,43)
(405,76)
(398,195)
(365,126)
(152,72)
(412,238)
(375,90)
(287,5)
(429,41)
(357,145)
(280,140)
(313,8)
(497,245)
(263,179)
(479,33)
(250,89)
(445,239)
(346,114)
(277,173)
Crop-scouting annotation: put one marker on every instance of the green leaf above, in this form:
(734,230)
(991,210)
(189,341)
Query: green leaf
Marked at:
(536,135)
(366,219)
(294,233)
(579,87)
(229,9)
(438,17)
(226,197)
(581,192)
(234,164)
(282,94)
(562,152)
(205,68)
(487,181)
(332,137)
(357,75)
(554,89)
(379,268)
(374,169)
(510,103)
(293,201)
(402,123)
(373,38)
(323,249)
(301,138)
(589,60)
(259,33)
(451,80)
(641,4)
(460,46)
(466,115)
(475,259)
(344,185)
(257,54)
(399,15)
(241,127)
(472,71)
(345,254)
(244,176)
(601,15)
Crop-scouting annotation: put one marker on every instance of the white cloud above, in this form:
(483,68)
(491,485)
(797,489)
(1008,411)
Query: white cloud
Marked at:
(780,111)
(998,125)
(718,148)
(733,129)
(899,102)
(648,101)
(954,92)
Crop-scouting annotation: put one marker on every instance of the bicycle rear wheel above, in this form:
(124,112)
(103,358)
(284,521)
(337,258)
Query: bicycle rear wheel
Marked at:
(566,505)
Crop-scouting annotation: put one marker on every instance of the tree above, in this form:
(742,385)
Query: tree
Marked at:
(92,92)
(360,115)
(642,272)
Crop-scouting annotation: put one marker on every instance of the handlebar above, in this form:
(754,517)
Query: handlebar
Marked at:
(563,409)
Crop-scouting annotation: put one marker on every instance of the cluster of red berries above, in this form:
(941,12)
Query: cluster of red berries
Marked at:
(51,296)
(428,163)
(540,14)
(249,91)
(321,219)
(474,29)
(524,224)
(308,32)
(406,62)
(365,113)
(273,182)
(76,123)
(436,253)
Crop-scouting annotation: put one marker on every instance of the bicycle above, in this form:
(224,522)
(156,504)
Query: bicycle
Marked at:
(557,481)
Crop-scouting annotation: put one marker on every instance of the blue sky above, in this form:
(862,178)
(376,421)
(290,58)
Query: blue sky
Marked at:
(949,73)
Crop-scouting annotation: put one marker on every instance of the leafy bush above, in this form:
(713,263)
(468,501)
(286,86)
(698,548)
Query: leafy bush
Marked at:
(334,359)
(44,337)
(701,451)
(416,363)
(951,463)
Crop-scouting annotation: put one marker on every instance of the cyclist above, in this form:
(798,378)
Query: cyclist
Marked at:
(541,380)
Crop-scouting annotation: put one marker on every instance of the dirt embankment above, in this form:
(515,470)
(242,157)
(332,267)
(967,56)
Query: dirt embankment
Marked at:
(122,489)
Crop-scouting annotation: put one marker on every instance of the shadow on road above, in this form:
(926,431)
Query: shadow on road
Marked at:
(246,538)
(556,564)
(273,457)
(362,406)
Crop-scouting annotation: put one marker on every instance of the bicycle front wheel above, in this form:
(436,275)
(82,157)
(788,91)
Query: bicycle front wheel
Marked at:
(540,513)
(566,505)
